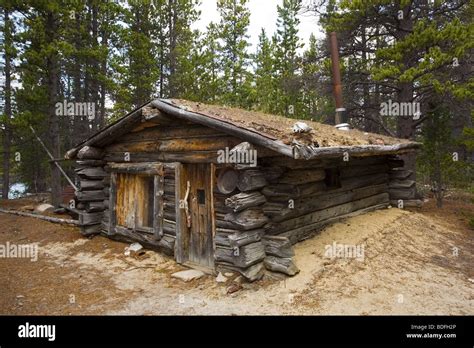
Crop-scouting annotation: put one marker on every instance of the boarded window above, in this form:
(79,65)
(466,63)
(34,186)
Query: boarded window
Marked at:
(145,201)
(135,201)
(332,178)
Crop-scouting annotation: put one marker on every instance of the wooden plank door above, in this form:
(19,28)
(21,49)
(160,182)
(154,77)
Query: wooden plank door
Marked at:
(199,240)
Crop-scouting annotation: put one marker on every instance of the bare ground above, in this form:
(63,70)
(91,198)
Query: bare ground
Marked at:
(410,266)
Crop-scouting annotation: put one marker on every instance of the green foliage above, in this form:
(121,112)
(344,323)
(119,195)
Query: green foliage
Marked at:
(287,60)
(235,19)
(265,83)
(439,161)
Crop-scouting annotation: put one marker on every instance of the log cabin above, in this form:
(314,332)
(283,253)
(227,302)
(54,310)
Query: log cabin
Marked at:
(220,188)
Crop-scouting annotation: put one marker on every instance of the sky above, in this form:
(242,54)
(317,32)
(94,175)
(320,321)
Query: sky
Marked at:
(263,15)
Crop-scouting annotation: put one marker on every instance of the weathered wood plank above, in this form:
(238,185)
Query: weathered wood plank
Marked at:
(90,218)
(92,207)
(252,273)
(320,215)
(90,196)
(181,225)
(91,173)
(400,174)
(91,163)
(284,192)
(171,132)
(183,157)
(248,219)
(251,179)
(158,214)
(282,161)
(87,185)
(243,256)
(278,246)
(148,168)
(244,200)
(282,265)
(401,184)
(174,145)
(356,171)
(279,211)
(243,238)
(90,152)
(302,176)
(403,193)
(113,204)
(305,152)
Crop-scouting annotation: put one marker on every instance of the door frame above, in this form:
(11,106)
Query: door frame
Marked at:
(155,169)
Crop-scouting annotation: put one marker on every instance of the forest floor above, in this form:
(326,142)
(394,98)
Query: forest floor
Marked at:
(415,262)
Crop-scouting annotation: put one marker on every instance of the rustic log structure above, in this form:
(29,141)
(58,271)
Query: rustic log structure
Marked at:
(165,175)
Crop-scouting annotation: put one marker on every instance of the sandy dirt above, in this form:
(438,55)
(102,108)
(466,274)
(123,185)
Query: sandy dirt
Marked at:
(414,262)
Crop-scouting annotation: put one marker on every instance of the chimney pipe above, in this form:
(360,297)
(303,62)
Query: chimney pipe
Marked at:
(336,79)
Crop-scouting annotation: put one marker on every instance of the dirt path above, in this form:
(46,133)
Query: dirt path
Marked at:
(410,266)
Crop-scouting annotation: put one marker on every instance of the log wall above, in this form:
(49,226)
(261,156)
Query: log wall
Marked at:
(402,184)
(92,189)
(285,201)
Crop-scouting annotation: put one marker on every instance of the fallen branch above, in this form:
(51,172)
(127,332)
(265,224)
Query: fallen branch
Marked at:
(137,267)
(42,217)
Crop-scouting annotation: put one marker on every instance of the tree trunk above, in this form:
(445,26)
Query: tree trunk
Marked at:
(53,124)
(405,124)
(103,87)
(94,67)
(172,49)
(8,109)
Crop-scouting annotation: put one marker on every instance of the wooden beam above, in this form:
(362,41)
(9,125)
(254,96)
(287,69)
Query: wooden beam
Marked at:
(52,158)
(112,204)
(181,229)
(309,152)
(182,157)
(148,168)
(41,217)
(158,215)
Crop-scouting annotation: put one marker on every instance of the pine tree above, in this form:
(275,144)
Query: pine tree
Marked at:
(264,73)
(233,28)
(209,84)
(287,43)
(135,66)
(181,15)
(315,102)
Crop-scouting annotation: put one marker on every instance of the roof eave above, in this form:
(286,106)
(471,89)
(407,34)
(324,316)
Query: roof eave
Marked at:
(311,152)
